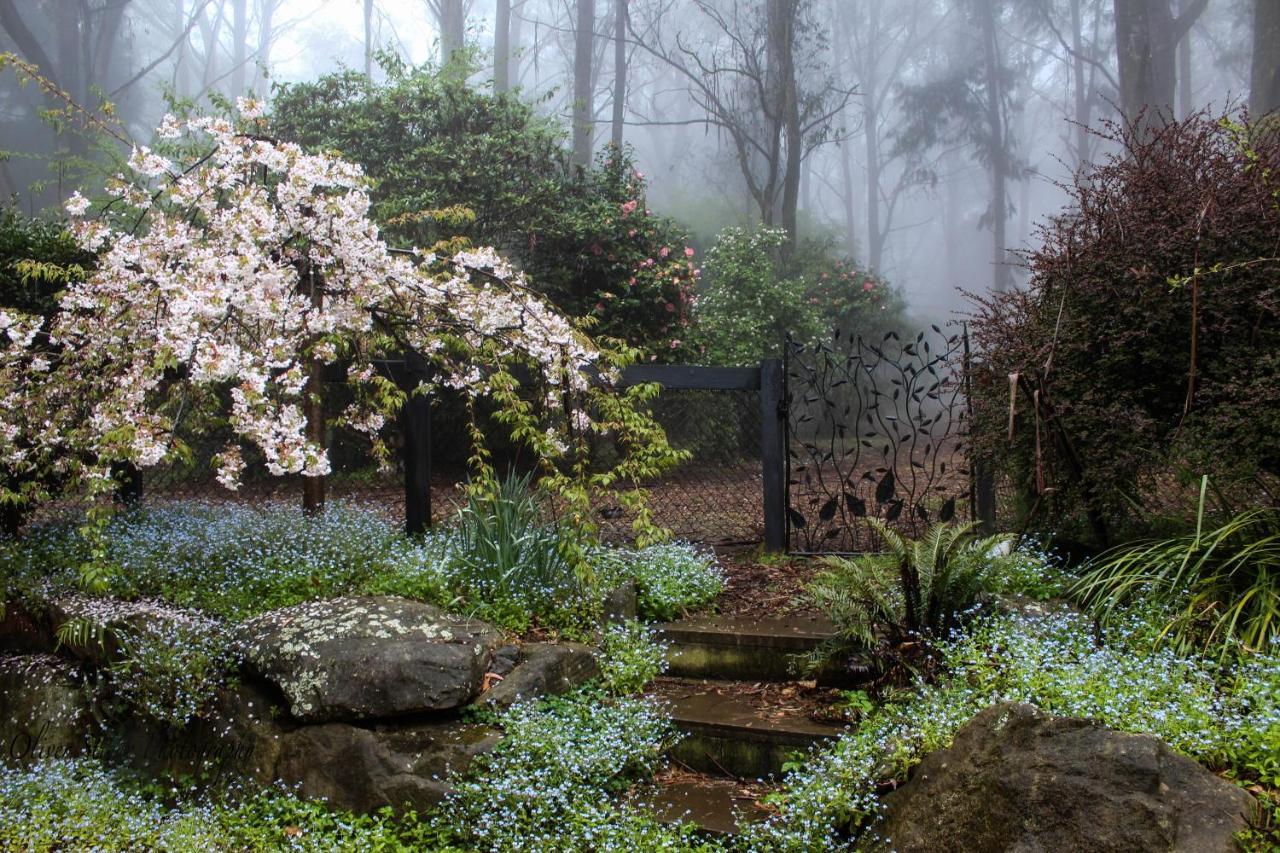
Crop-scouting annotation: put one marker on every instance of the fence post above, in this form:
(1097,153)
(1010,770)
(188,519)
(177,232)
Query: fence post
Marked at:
(773,453)
(415,419)
(128,479)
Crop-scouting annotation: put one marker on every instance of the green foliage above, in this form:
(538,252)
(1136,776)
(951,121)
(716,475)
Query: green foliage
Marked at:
(80,805)
(671,578)
(38,258)
(1223,582)
(553,782)
(1230,720)
(510,566)
(171,668)
(751,302)
(914,589)
(448,160)
(631,657)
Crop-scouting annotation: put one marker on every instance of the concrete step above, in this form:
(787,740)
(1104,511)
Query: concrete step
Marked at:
(732,729)
(731,647)
(717,807)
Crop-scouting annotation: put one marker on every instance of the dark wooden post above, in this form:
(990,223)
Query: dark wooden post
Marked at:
(128,479)
(773,453)
(415,419)
(313,488)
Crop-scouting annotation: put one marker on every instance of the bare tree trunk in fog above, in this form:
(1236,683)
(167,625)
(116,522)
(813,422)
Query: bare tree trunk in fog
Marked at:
(619,71)
(368,38)
(502,47)
(786,100)
(1078,84)
(211,34)
(266,40)
(583,96)
(951,247)
(451,17)
(997,150)
(1184,68)
(1147,35)
(239,45)
(850,218)
(1264,93)
(517,39)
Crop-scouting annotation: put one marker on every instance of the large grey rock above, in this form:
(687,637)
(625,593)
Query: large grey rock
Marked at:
(368,658)
(363,770)
(47,709)
(1017,779)
(545,669)
(238,736)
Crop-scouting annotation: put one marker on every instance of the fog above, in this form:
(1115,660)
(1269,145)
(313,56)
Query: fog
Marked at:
(932,135)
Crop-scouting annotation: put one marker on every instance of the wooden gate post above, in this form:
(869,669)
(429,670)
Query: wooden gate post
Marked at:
(773,453)
(415,420)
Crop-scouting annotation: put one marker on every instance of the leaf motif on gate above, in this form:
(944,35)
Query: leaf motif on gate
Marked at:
(885,488)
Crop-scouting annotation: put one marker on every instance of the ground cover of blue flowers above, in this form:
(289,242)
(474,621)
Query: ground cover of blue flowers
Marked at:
(567,773)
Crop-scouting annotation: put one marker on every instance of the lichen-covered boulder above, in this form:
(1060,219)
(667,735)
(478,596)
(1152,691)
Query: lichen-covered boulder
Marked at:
(46,709)
(1017,779)
(364,769)
(368,658)
(545,669)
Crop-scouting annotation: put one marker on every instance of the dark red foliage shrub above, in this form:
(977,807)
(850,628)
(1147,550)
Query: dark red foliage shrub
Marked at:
(1178,230)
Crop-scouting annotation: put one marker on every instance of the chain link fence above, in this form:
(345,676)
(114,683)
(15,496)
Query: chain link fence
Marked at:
(713,497)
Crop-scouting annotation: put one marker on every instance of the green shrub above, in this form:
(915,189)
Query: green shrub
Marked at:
(1129,415)
(512,567)
(1224,582)
(671,578)
(915,589)
(631,657)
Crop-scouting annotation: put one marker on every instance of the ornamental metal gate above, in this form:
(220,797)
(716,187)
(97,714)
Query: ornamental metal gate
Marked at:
(874,430)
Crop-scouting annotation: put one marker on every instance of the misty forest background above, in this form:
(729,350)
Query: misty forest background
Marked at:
(920,139)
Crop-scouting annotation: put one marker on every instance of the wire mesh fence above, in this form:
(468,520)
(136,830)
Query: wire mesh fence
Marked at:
(713,497)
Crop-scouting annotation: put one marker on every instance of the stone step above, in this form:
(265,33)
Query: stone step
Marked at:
(716,806)
(736,730)
(734,647)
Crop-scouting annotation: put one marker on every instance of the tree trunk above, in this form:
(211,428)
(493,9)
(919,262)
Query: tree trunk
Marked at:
(875,239)
(997,151)
(266,36)
(785,101)
(517,34)
(1184,70)
(583,96)
(239,46)
(1264,94)
(368,38)
(619,71)
(452,29)
(313,488)
(1147,36)
(1081,93)
(502,47)
(850,217)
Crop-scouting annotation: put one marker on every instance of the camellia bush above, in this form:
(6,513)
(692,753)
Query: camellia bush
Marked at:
(233,271)
(1150,331)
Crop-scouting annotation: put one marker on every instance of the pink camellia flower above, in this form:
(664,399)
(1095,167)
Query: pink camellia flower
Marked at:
(868,286)
(632,282)
(631,233)
(663,252)
(670,308)
(675,343)
(629,207)
(688,251)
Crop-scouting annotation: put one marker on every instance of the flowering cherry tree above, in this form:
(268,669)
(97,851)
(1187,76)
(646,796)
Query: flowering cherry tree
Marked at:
(229,277)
